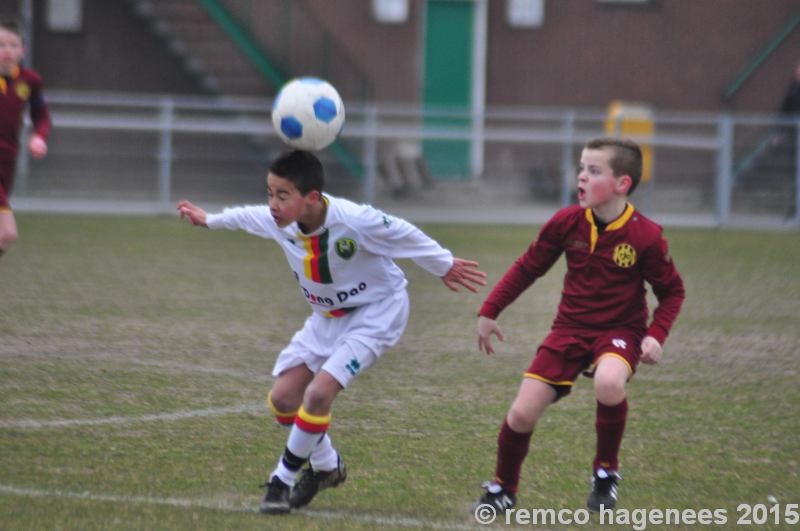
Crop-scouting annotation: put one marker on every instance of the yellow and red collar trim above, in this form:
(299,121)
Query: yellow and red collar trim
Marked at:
(13,75)
(614,225)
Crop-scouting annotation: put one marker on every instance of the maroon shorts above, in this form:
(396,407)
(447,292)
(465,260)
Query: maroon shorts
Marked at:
(563,356)
(6,182)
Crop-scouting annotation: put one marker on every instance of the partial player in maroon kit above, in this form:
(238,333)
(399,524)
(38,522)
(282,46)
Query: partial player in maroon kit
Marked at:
(601,329)
(19,87)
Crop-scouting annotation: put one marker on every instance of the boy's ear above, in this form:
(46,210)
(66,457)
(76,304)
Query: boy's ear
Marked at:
(624,184)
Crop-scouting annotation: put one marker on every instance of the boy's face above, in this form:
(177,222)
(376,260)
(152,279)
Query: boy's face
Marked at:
(286,203)
(597,184)
(11,51)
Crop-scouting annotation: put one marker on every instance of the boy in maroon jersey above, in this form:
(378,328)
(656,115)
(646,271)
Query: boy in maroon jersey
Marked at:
(18,87)
(601,327)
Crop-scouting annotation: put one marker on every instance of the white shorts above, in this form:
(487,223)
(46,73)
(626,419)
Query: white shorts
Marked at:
(344,346)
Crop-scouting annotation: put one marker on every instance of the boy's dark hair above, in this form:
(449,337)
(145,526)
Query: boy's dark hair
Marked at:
(625,160)
(11,25)
(302,169)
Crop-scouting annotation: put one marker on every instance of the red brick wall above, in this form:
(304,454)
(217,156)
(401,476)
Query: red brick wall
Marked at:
(674,54)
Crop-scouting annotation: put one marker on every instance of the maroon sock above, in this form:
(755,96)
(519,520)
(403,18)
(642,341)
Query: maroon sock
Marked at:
(512,447)
(610,426)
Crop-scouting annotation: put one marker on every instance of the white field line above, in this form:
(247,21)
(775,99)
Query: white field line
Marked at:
(374,519)
(253,407)
(264,377)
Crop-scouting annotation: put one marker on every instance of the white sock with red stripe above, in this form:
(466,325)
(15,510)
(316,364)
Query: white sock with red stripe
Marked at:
(307,432)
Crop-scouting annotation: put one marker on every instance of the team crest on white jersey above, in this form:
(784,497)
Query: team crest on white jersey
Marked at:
(346,248)
(619,343)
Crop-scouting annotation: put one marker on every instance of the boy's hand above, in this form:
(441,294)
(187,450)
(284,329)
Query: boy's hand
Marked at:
(37,146)
(651,350)
(464,272)
(195,214)
(486,327)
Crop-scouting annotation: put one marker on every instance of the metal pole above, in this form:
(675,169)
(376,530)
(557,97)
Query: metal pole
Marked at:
(567,164)
(370,154)
(479,44)
(165,154)
(23,161)
(23,168)
(796,219)
(26,21)
(724,169)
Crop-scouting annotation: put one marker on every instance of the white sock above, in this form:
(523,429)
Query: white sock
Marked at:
(301,443)
(324,455)
(284,473)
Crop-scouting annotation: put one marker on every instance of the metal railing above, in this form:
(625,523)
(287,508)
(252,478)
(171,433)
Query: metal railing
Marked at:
(696,152)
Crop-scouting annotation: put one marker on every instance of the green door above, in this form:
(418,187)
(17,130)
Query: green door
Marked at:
(447,83)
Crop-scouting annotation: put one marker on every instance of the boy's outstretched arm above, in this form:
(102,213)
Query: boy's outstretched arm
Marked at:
(195,214)
(466,273)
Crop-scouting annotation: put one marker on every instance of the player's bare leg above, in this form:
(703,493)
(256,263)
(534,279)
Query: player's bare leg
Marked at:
(288,390)
(612,409)
(532,399)
(610,377)
(8,231)
(513,442)
(318,401)
(320,394)
(307,435)
(284,399)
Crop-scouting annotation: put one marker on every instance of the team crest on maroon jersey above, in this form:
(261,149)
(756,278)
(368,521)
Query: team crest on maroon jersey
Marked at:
(624,255)
(23,90)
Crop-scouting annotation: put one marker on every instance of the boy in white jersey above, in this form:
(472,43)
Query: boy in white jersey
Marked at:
(342,256)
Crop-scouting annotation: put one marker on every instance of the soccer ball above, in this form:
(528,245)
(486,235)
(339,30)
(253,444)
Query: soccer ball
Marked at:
(308,113)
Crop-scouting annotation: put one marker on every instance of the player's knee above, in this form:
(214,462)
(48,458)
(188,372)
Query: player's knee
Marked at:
(316,400)
(282,401)
(608,390)
(520,419)
(8,235)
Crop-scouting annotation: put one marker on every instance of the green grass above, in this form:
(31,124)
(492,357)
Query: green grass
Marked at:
(126,317)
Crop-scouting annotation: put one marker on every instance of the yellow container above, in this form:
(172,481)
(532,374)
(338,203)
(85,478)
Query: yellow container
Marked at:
(633,120)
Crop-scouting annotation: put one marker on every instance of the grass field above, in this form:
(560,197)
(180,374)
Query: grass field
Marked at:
(135,355)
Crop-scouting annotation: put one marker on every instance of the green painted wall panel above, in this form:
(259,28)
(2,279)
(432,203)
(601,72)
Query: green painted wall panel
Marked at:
(448,82)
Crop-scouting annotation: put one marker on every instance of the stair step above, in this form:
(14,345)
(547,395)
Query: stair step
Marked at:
(244,86)
(215,59)
(179,11)
(195,31)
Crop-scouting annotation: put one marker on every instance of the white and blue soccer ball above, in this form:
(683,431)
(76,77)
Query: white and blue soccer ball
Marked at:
(308,113)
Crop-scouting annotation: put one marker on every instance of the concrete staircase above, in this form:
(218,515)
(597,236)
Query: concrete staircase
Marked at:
(207,52)
(98,165)
(768,186)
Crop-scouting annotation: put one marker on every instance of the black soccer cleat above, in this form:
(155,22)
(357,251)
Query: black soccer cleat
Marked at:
(312,481)
(276,500)
(604,490)
(498,497)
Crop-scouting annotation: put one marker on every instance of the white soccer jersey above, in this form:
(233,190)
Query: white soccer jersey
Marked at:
(347,262)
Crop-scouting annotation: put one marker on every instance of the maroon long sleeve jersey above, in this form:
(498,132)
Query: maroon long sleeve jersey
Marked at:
(604,286)
(22,87)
